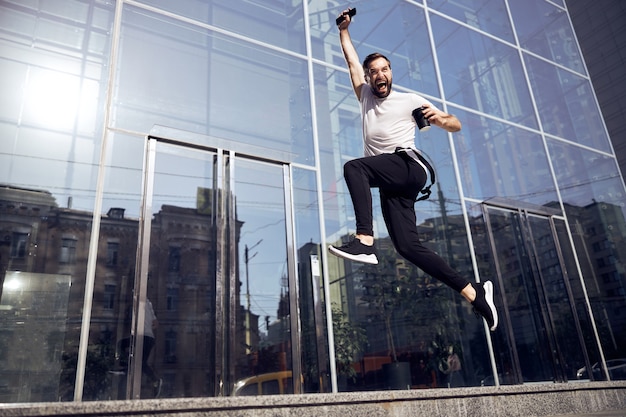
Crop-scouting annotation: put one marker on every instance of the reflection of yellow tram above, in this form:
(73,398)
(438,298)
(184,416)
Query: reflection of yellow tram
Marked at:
(265,384)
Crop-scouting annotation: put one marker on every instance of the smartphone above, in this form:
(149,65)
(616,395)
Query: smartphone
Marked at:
(351,12)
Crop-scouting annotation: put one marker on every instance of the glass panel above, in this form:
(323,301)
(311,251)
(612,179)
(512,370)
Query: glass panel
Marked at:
(482,73)
(555,284)
(545,29)
(279,23)
(500,160)
(506,361)
(313,340)
(586,333)
(560,283)
(522,297)
(566,104)
(50,124)
(490,16)
(181,278)
(192,79)
(262,345)
(109,334)
(593,193)
(51,108)
(586,178)
(33,322)
(397,30)
(48,244)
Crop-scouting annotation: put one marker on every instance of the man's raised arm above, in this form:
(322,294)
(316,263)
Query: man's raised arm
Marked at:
(357,76)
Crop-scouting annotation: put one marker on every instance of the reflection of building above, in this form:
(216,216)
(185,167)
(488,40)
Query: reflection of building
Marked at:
(39,236)
(600,230)
(33,319)
(422,310)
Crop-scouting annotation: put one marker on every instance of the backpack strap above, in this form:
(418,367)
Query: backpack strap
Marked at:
(426,190)
(424,162)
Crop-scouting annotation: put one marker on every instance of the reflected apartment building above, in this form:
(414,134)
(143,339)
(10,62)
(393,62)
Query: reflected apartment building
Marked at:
(190,153)
(40,237)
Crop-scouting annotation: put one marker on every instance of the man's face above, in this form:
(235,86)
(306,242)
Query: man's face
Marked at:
(379,76)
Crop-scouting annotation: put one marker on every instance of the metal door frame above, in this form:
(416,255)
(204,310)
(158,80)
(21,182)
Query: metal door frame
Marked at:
(226,154)
(524,213)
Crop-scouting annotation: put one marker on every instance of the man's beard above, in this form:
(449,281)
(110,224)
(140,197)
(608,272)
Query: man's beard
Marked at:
(380,94)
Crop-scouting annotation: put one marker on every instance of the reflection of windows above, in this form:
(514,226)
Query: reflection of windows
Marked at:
(172,299)
(68,251)
(109,296)
(609,277)
(112,252)
(600,246)
(170,346)
(6,340)
(18,245)
(173,263)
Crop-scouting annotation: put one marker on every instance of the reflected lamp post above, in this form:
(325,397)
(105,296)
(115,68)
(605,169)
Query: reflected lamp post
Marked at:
(247,324)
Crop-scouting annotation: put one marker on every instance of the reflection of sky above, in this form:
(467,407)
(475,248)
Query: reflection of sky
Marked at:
(260,206)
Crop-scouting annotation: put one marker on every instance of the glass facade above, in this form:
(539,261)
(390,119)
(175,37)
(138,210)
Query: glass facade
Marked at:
(171,175)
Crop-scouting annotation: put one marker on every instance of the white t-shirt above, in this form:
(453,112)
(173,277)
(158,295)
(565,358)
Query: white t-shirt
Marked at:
(149,320)
(388,122)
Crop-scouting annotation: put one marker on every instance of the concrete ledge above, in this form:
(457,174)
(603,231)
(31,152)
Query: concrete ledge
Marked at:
(510,401)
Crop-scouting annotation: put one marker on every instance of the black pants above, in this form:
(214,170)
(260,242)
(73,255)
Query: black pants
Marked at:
(399,179)
(148,344)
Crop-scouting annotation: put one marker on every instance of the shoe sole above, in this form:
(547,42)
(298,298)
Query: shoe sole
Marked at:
(368,259)
(489,298)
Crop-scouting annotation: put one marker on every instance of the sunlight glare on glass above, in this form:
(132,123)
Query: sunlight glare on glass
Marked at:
(52,99)
(13,284)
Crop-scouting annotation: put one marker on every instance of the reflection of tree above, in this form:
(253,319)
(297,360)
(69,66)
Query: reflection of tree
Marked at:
(350,339)
(386,293)
(96,372)
(409,302)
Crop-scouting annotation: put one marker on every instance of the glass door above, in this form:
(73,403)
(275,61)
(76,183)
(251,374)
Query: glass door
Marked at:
(212,306)
(541,338)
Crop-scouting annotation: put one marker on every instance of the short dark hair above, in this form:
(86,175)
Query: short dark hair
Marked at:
(371,57)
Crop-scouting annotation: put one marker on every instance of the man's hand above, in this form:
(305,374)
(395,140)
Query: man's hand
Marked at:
(345,18)
(445,121)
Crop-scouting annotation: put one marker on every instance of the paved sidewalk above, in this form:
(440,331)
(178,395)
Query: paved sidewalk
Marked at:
(612,413)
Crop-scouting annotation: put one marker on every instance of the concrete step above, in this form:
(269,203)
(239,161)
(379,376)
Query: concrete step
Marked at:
(532,400)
